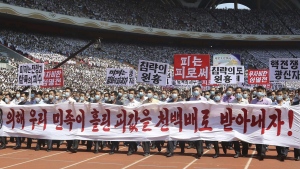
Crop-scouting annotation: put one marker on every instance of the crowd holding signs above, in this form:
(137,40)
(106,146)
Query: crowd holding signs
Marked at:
(144,121)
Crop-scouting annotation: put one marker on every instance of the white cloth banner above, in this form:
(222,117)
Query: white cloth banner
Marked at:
(155,73)
(120,77)
(195,120)
(284,69)
(31,74)
(226,74)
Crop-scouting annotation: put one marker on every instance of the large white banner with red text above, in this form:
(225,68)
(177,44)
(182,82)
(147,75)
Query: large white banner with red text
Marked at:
(166,121)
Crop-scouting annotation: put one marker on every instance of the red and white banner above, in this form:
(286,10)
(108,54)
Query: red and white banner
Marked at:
(195,120)
(191,66)
(207,83)
(260,76)
(53,78)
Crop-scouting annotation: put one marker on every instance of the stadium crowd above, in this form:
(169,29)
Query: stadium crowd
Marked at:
(134,97)
(146,14)
(91,64)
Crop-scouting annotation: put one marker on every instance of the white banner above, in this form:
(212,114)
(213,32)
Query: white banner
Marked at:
(195,120)
(31,74)
(120,77)
(172,82)
(155,73)
(284,69)
(226,74)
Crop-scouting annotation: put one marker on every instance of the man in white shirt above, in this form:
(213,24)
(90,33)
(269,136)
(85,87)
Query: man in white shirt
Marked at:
(17,100)
(68,94)
(131,102)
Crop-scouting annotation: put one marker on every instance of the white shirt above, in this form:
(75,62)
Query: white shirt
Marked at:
(132,103)
(70,99)
(2,102)
(243,101)
(16,101)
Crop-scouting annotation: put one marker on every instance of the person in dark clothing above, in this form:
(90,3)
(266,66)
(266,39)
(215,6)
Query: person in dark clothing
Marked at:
(113,100)
(24,101)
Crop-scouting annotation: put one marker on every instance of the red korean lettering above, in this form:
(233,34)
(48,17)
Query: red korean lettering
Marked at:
(11,118)
(243,119)
(95,121)
(226,119)
(80,118)
(33,120)
(121,120)
(43,118)
(106,121)
(205,121)
(260,122)
(191,119)
(176,118)
(58,118)
(163,119)
(133,120)
(20,118)
(146,120)
(69,119)
(273,122)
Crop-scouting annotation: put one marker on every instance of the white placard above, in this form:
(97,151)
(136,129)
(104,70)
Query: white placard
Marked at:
(284,69)
(155,73)
(31,74)
(226,74)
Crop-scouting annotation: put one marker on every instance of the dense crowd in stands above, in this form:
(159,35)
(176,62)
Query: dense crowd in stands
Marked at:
(88,69)
(149,14)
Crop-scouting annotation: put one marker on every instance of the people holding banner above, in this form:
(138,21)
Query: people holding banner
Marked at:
(114,100)
(150,99)
(24,101)
(39,100)
(131,102)
(196,97)
(240,100)
(217,99)
(172,144)
(281,151)
(261,99)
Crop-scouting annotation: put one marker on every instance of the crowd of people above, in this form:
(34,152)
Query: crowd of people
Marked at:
(148,14)
(135,97)
(90,65)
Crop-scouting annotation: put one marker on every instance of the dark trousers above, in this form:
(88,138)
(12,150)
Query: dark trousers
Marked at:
(114,146)
(3,142)
(146,146)
(282,151)
(237,148)
(72,144)
(170,146)
(50,144)
(296,152)
(199,147)
(19,140)
(216,147)
(181,145)
(261,149)
(132,146)
(39,143)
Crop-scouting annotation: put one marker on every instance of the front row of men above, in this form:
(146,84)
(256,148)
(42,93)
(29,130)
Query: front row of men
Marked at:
(147,96)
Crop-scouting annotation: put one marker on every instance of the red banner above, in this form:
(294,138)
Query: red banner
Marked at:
(207,83)
(53,78)
(267,86)
(260,76)
(191,66)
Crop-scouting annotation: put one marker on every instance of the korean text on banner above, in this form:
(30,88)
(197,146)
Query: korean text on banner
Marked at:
(120,77)
(258,124)
(191,66)
(226,74)
(284,69)
(31,74)
(155,73)
(53,78)
(258,76)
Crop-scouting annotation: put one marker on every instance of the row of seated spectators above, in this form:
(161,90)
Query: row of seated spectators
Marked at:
(155,14)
